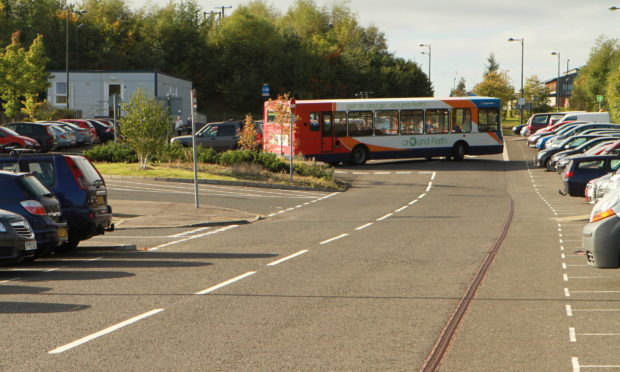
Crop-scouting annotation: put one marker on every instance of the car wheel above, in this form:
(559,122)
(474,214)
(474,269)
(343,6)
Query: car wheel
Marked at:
(458,152)
(359,155)
(68,246)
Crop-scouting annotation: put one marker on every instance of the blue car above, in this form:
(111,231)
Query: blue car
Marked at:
(22,193)
(78,186)
(580,170)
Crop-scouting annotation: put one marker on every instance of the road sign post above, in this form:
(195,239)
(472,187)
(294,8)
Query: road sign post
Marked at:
(292,106)
(193,109)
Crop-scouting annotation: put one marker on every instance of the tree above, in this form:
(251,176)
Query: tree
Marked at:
(22,74)
(146,126)
(496,84)
(492,65)
(247,138)
(460,90)
(592,78)
(613,95)
(537,94)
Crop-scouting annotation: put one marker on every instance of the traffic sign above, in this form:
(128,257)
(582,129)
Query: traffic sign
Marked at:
(265,90)
(599,98)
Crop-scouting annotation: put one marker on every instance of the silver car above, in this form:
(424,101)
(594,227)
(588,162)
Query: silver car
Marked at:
(601,237)
(220,136)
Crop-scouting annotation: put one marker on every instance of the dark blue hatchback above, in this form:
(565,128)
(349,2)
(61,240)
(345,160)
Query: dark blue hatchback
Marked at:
(23,194)
(78,186)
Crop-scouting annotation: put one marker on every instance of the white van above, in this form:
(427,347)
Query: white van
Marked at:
(589,117)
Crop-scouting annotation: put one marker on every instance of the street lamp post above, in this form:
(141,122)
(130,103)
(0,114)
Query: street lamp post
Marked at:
(69,10)
(557,84)
(429,61)
(522,41)
(76,45)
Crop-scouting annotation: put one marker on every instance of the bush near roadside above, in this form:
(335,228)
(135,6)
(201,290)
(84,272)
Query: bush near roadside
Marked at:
(113,152)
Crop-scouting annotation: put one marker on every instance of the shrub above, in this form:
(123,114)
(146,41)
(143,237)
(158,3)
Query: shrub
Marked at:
(233,157)
(313,170)
(171,153)
(112,152)
(271,162)
(207,155)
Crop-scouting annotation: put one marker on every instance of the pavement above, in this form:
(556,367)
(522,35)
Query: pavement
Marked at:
(133,214)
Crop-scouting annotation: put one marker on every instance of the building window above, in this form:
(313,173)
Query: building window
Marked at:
(61,92)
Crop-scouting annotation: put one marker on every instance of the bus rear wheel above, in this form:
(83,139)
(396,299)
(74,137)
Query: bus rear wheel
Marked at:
(458,152)
(359,155)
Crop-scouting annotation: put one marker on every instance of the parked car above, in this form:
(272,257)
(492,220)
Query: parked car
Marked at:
(583,169)
(22,193)
(579,150)
(104,131)
(63,138)
(603,148)
(94,138)
(601,236)
(78,186)
(554,142)
(41,132)
(543,156)
(541,120)
(220,136)
(11,138)
(590,117)
(517,128)
(541,141)
(17,240)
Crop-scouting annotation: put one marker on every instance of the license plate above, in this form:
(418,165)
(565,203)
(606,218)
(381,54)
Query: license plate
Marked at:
(31,245)
(62,233)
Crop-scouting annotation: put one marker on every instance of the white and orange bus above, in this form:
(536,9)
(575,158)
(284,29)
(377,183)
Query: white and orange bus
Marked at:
(356,130)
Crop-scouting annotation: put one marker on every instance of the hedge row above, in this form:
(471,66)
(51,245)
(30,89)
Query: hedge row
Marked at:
(113,152)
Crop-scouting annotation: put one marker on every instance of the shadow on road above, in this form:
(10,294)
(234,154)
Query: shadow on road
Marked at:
(38,308)
(21,289)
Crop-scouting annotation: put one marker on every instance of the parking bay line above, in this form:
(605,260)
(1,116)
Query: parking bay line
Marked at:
(287,258)
(103,332)
(193,237)
(223,284)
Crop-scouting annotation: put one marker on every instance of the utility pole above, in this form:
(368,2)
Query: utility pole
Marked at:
(222,10)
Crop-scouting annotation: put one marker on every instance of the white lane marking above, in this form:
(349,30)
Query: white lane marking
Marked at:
(103,332)
(383,172)
(566,292)
(571,335)
(54,269)
(179,235)
(563,265)
(428,188)
(363,226)
(412,202)
(565,277)
(433,176)
(9,280)
(289,209)
(299,206)
(225,228)
(287,258)
(271,214)
(569,310)
(384,217)
(575,362)
(421,196)
(224,284)
(328,196)
(334,238)
(404,172)
(401,209)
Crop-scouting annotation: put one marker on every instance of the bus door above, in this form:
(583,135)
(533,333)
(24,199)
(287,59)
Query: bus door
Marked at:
(327,132)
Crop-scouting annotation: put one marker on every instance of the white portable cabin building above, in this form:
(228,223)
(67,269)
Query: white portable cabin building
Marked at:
(93,92)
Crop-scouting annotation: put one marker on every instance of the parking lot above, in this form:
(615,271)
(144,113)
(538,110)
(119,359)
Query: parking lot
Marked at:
(591,295)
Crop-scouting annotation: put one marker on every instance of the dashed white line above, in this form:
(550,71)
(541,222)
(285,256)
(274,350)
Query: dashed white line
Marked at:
(566,292)
(569,310)
(224,284)
(428,188)
(185,233)
(193,237)
(363,226)
(334,238)
(384,217)
(103,332)
(412,202)
(421,196)
(571,335)
(287,258)
(401,209)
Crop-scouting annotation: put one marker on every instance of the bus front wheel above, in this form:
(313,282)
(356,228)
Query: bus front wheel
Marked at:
(458,152)
(359,155)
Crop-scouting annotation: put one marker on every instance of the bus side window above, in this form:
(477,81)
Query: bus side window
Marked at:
(437,121)
(360,123)
(461,121)
(386,123)
(314,121)
(488,120)
(411,121)
(340,124)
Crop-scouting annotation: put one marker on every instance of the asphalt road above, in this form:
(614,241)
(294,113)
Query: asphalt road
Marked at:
(367,279)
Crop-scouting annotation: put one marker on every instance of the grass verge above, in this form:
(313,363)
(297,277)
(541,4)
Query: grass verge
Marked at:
(239,173)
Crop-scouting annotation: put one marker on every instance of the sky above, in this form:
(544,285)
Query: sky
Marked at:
(462,34)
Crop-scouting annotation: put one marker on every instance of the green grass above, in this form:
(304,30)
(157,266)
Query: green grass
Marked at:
(215,172)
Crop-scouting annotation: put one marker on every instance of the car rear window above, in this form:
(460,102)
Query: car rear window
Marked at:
(33,187)
(596,164)
(42,170)
(90,173)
